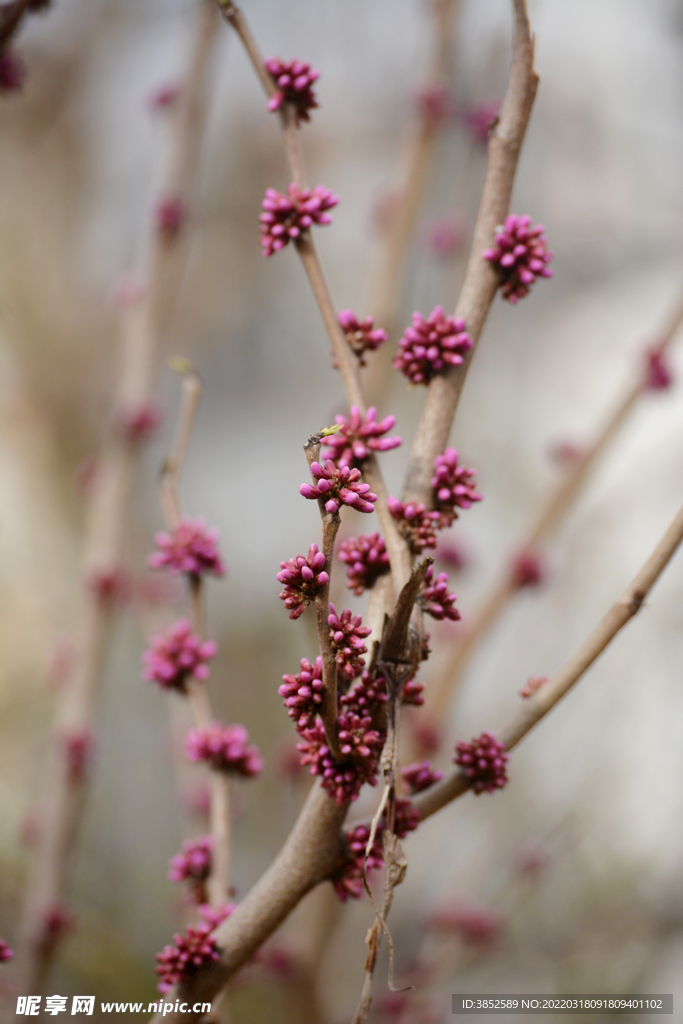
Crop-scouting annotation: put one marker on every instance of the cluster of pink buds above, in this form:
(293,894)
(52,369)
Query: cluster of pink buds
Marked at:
(193,865)
(420,776)
(294,80)
(532,684)
(358,436)
(303,577)
(476,924)
(183,959)
(214,916)
(347,633)
(411,694)
(348,879)
(339,486)
(303,693)
(285,217)
(454,486)
(6,952)
(139,424)
(225,748)
(177,654)
(12,72)
(366,559)
(358,740)
(527,570)
(191,548)
(111,585)
(78,745)
(361,335)
(406,817)
(435,597)
(520,256)
(431,345)
(170,216)
(658,374)
(366,696)
(483,761)
(416,524)
(58,920)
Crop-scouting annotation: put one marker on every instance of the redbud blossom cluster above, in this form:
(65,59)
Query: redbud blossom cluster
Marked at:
(366,558)
(454,485)
(358,436)
(483,761)
(303,693)
(303,577)
(285,217)
(294,80)
(348,879)
(190,952)
(435,597)
(225,748)
(431,346)
(193,864)
(6,952)
(339,486)
(177,654)
(417,525)
(191,548)
(347,633)
(520,256)
(361,335)
(420,776)
(358,740)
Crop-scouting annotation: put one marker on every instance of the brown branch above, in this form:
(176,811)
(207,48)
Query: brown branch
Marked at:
(549,517)
(104,545)
(481,281)
(544,700)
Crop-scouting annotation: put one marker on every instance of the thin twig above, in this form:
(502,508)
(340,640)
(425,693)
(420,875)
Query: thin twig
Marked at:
(142,330)
(481,280)
(544,700)
(546,521)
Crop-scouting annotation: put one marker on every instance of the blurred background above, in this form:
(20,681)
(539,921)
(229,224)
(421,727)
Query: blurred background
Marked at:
(572,879)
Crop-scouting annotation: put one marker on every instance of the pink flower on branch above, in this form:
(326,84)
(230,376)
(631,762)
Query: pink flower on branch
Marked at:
(225,748)
(520,256)
(359,436)
(658,373)
(420,776)
(303,577)
(170,216)
(303,693)
(435,597)
(177,654)
(183,959)
(527,570)
(416,524)
(347,633)
(453,485)
(360,334)
(339,486)
(366,697)
(483,762)
(479,121)
(6,952)
(191,548)
(431,346)
(359,742)
(12,72)
(366,558)
(193,865)
(294,80)
(348,879)
(285,217)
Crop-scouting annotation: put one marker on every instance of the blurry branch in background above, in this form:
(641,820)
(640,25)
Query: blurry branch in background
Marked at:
(133,418)
(220,786)
(481,281)
(420,146)
(551,692)
(652,375)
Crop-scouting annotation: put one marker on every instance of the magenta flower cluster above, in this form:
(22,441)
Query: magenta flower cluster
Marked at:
(225,748)
(12,72)
(183,959)
(435,597)
(193,865)
(177,654)
(294,80)
(170,216)
(454,485)
(366,559)
(416,523)
(366,696)
(658,373)
(303,692)
(483,761)
(6,952)
(347,633)
(520,256)
(303,577)
(431,345)
(359,742)
(285,217)
(339,486)
(361,335)
(527,570)
(420,776)
(192,548)
(358,436)
(348,878)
